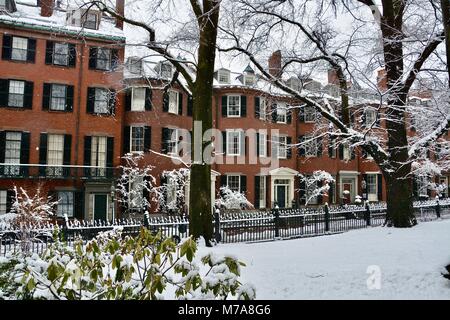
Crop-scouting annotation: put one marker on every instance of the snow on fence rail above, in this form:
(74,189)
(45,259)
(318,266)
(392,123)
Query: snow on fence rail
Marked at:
(229,226)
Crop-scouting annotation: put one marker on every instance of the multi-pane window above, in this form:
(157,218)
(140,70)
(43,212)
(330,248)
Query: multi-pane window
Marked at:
(61,54)
(346,152)
(103,59)
(311,146)
(98,155)
(19,49)
(249,80)
(282,147)
(134,65)
(224,76)
(90,21)
(173,102)
(234,106)
(166,70)
(233,143)
(12,152)
(262,192)
(262,145)
(422,186)
(65,204)
(371,185)
(58,97)
(172,143)
(3,201)
(138,99)
(171,192)
(281,113)
(137,139)
(234,182)
(16,95)
(371,117)
(310,114)
(136,192)
(262,108)
(101,101)
(55,154)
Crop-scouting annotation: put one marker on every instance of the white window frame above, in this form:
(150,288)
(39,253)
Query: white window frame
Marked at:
(18,48)
(65,207)
(173,106)
(281,111)
(282,147)
(3,201)
(172,144)
(136,103)
(137,139)
(238,182)
(108,60)
(310,114)
(104,99)
(16,92)
(99,151)
(262,145)
(55,154)
(55,101)
(63,55)
(13,140)
(238,106)
(372,118)
(311,147)
(346,152)
(262,108)
(223,76)
(262,191)
(372,187)
(230,146)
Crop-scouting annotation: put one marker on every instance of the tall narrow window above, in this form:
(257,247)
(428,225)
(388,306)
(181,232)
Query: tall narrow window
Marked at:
(234,106)
(262,145)
(282,147)
(61,54)
(138,99)
(19,49)
(16,95)
(101,103)
(233,143)
(3,201)
(281,113)
(137,139)
(171,191)
(65,204)
(12,152)
(172,144)
(262,192)
(90,20)
(58,98)
(103,59)
(55,154)
(262,108)
(372,190)
(136,192)
(98,156)
(173,102)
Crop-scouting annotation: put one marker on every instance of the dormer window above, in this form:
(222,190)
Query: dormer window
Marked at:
(166,70)
(294,84)
(249,79)
(88,19)
(7,5)
(223,76)
(134,65)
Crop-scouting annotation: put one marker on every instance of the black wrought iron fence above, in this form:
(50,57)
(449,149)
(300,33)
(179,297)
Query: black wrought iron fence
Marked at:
(229,227)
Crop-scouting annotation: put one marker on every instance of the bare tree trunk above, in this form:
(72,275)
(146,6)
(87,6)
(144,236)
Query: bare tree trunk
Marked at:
(200,206)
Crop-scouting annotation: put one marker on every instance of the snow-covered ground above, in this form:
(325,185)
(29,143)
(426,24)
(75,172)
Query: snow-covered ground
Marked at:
(396,263)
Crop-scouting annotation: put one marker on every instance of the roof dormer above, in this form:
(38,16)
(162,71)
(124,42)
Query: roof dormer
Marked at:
(249,76)
(223,76)
(88,19)
(7,6)
(164,69)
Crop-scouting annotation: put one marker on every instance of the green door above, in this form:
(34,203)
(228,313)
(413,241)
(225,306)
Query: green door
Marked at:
(100,207)
(281,196)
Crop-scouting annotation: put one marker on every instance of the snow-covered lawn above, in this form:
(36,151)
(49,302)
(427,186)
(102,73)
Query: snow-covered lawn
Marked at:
(410,262)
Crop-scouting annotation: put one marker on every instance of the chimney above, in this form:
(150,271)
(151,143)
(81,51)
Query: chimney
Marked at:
(275,64)
(47,7)
(120,9)
(382,80)
(333,77)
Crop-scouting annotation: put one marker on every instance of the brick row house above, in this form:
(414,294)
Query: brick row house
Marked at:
(67,131)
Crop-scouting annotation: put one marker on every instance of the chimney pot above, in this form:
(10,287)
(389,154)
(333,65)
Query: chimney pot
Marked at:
(275,64)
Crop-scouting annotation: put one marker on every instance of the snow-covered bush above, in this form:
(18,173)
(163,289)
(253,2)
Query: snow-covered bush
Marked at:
(230,199)
(115,267)
(172,195)
(316,184)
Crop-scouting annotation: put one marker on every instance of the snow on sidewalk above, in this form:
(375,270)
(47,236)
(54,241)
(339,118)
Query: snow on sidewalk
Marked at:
(410,262)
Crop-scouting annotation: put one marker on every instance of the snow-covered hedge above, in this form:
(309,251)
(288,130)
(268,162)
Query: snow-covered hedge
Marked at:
(114,267)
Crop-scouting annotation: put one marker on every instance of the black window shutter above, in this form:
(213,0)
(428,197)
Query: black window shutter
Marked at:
(243,144)
(46,96)
(341,151)
(180,103)
(114,59)
(330,147)
(28,97)
(4,92)
(224,106)
(78,205)
(223,180)
(243,106)
(378,120)
(72,55)
(109,151)
(112,101)
(289,116)
(257,144)
(288,147)
(69,98)
(302,192)
(128,97)
(320,196)
(380,187)
(274,112)
(126,139)
(319,147)
(301,148)
(24,152)
(10,194)
(87,150)
(49,52)
(165,102)
(93,58)
(2,149)
(7,46)
(331,192)
(301,114)
(257,189)
(257,107)
(165,137)
(148,99)
(190,105)
(90,100)
(43,153)
(267,191)
(364,119)
(31,51)
(243,184)
(147,138)
(67,152)
(224,142)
